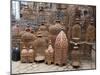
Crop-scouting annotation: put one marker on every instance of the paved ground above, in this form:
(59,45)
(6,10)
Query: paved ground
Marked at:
(18,67)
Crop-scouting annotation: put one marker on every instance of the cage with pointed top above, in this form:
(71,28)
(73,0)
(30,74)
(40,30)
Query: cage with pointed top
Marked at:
(61,49)
(49,55)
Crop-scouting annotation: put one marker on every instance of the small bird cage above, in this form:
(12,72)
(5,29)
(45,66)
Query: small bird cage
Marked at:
(54,31)
(49,54)
(75,56)
(27,37)
(90,33)
(31,54)
(24,55)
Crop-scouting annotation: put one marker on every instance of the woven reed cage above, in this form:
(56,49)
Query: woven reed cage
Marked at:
(27,55)
(54,31)
(40,45)
(49,55)
(76,31)
(90,33)
(24,55)
(27,38)
(61,48)
(31,54)
(75,56)
(27,13)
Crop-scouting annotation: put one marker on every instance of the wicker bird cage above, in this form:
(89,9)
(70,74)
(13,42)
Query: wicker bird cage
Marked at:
(61,48)
(49,55)
(43,31)
(89,38)
(75,55)
(24,55)
(27,13)
(76,30)
(90,33)
(31,54)
(26,38)
(40,45)
(54,31)
(15,31)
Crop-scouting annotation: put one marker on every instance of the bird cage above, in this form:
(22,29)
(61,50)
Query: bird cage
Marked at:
(90,33)
(76,29)
(90,38)
(54,31)
(15,32)
(31,54)
(75,56)
(24,55)
(26,38)
(43,31)
(27,13)
(40,45)
(49,54)
(61,48)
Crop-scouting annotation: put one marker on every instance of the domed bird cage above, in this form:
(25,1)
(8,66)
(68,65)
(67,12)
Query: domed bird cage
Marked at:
(40,45)
(54,31)
(61,49)
(49,54)
(26,38)
(43,31)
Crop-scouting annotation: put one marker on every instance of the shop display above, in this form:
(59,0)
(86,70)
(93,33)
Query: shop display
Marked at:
(49,37)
